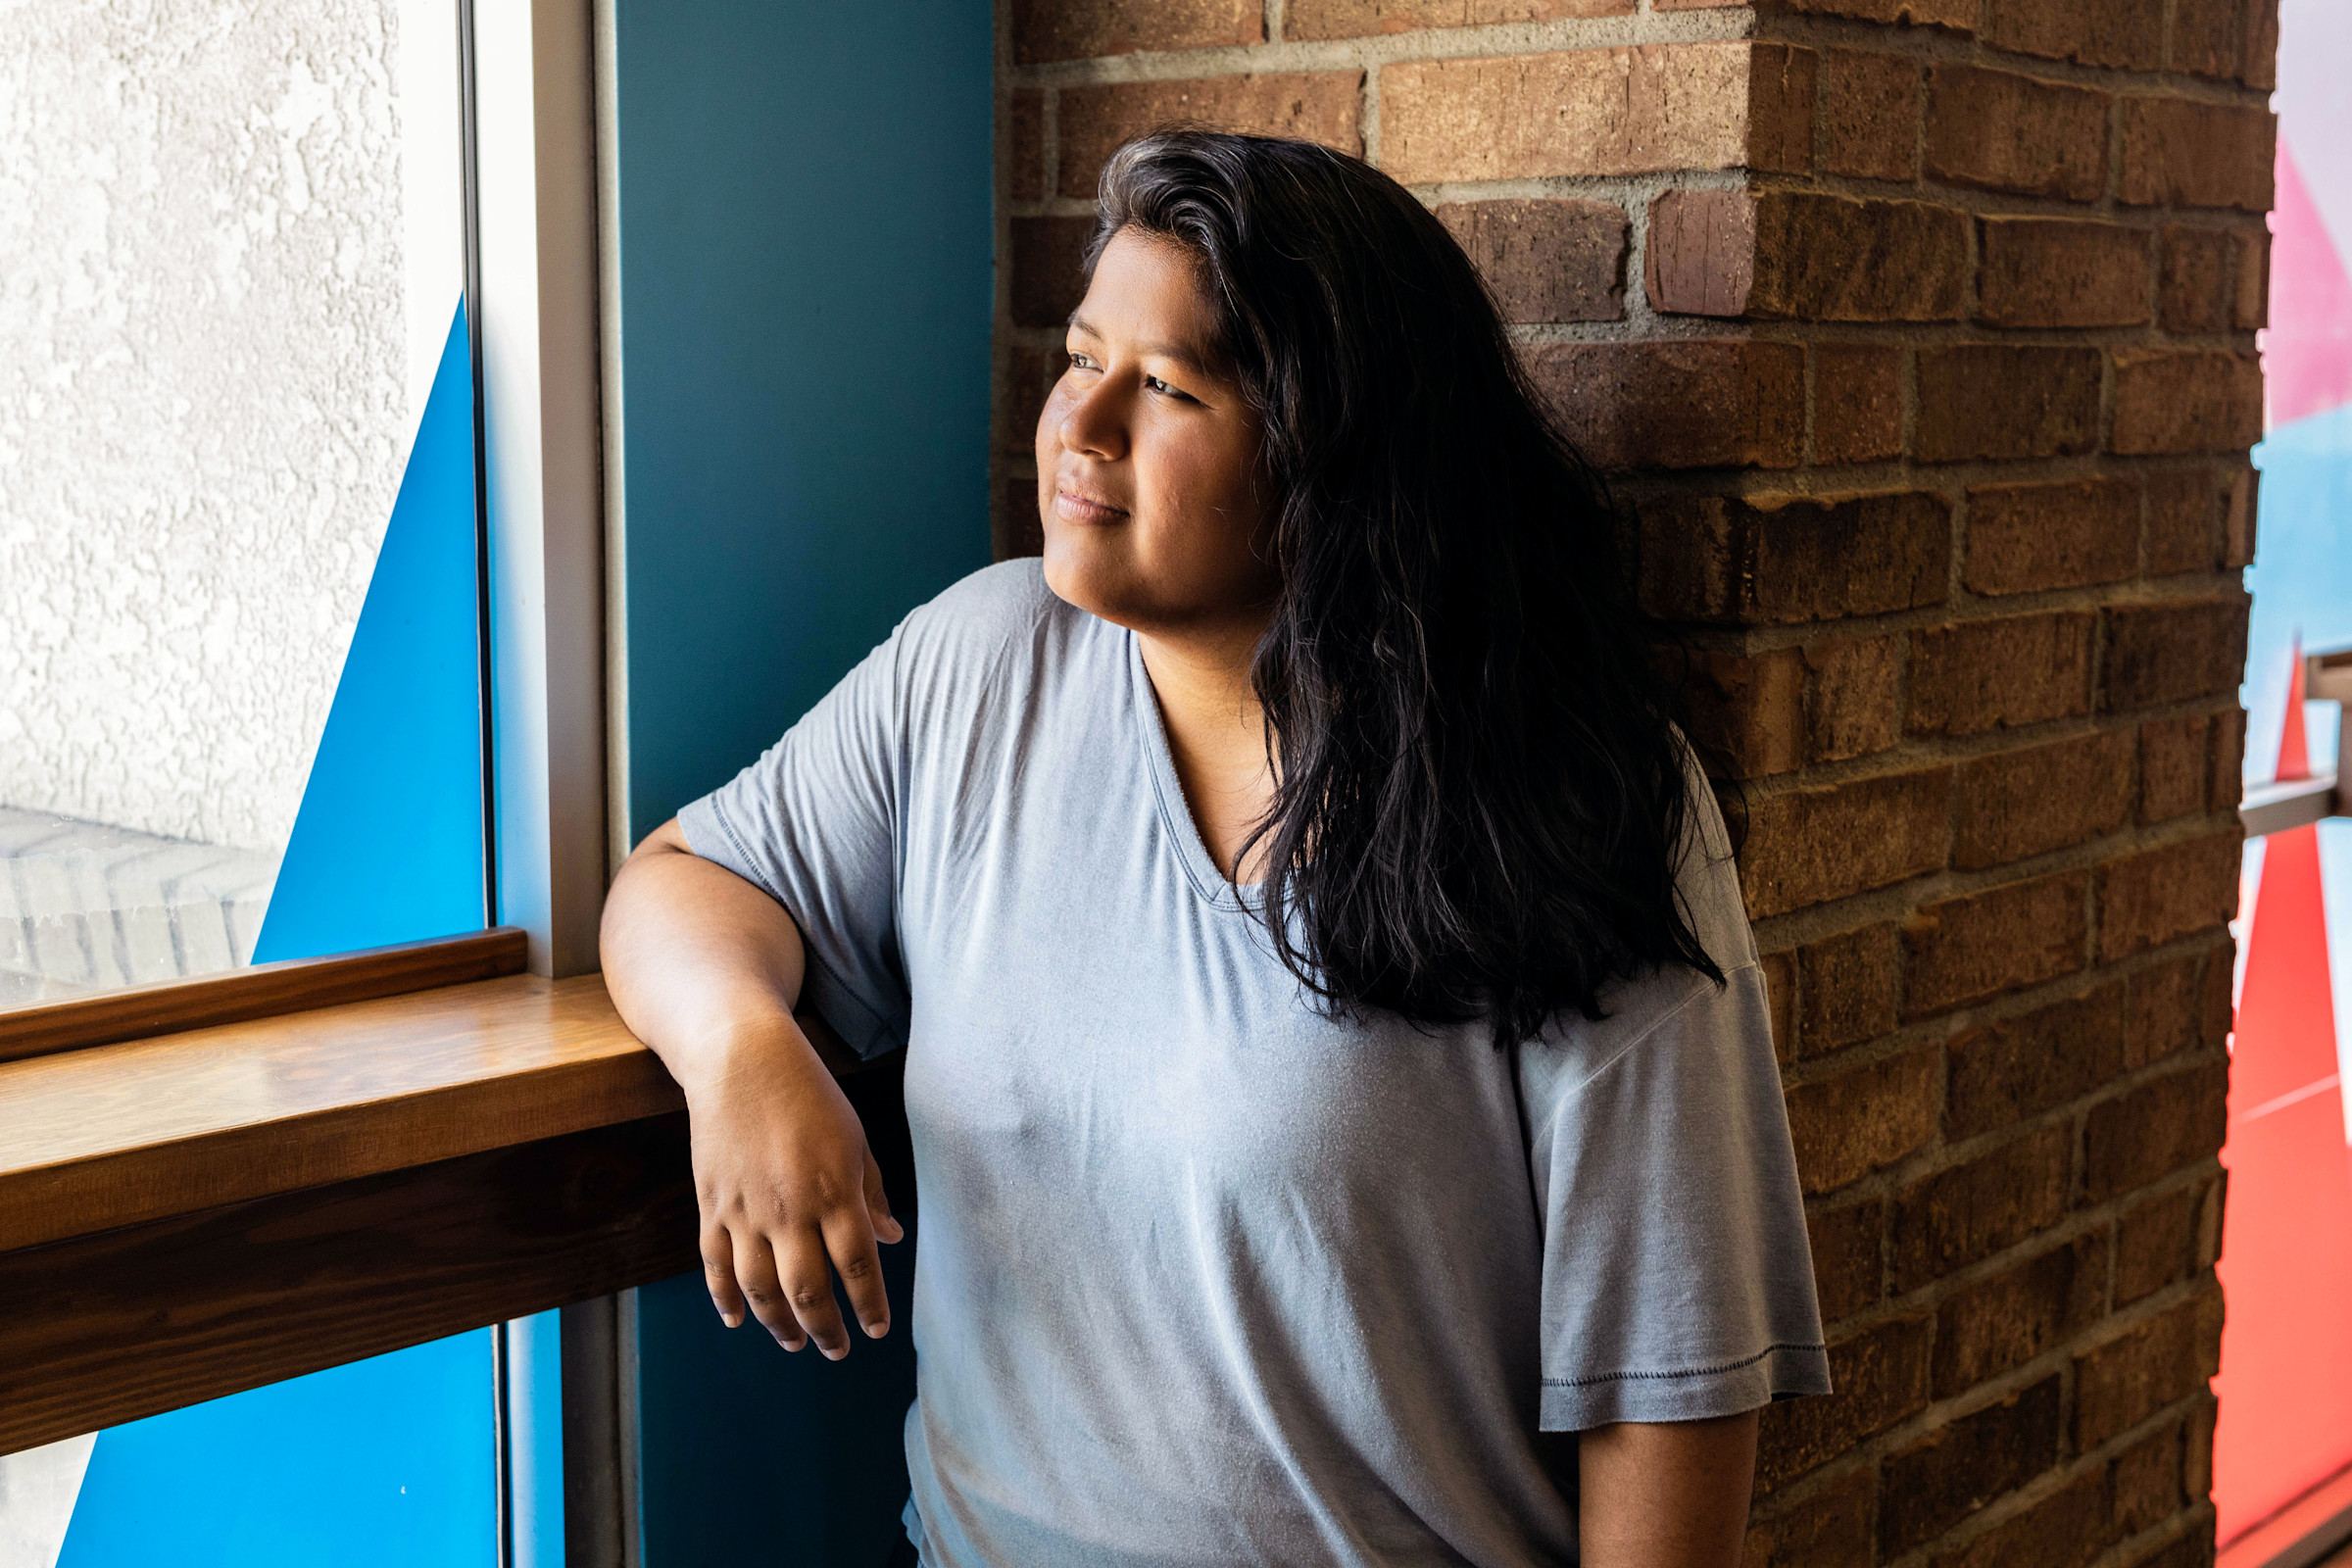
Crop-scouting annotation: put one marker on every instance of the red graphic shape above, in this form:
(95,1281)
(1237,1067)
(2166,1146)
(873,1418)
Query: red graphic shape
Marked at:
(2286,1384)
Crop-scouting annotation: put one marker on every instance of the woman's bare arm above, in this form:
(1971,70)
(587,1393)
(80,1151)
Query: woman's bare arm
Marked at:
(1673,1494)
(705,969)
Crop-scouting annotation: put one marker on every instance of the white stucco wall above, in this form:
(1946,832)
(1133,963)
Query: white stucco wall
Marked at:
(212,312)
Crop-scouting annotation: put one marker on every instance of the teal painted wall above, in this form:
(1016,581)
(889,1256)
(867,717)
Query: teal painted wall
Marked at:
(806,255)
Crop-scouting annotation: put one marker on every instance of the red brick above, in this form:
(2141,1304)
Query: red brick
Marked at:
(1361,19)
(1989,674)
(1852,987)
(1953,1472)
(1750,708)
(1852,697)
(2262,45)
(2155,1244)
(1987,400)
(1018,529)
(1944,1222)
(2181,153)
(2212,38)
(2250,299)
(2054,271)
(1082,30)
(1790,254)
(1779,995)
(2229,757)
(1029,377)
(2191,1550)
(1870,114)
(2171,652)
(2167,1010)
(1833,259)
(2238,519)
(1048,283)
(1678,405)
(1848,1269)
(1598,112)
(1314,105)
(1997,130)
(2090,32)
(1025,154)
(1700,258)
(1956,16)
(2210,1210)
(2064,1530)
(2014,804)
(2199,1479)
(1987,1328)
(2136,1374)
(2144,1481)
(1829,1529)
(1967,949)
(2193,285)
(2159,896)
(1807,846)
(2169,401)
(2172,757)
(2155,1130)
(2008,1071)
(1771,560)
(1858,403)
(1545,260)
(2218,1014)
(1880,1376)
(2025,538)
(2184,514)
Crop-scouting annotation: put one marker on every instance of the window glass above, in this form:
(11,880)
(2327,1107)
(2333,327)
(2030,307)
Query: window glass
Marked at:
(240,694)
(230,258)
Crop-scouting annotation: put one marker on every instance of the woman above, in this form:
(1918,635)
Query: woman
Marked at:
(1334,1050)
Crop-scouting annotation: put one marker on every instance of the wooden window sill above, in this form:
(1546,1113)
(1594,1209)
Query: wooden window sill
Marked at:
(189,1215)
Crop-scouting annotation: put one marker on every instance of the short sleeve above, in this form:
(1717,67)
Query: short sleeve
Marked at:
(814,823)
(1677,1279)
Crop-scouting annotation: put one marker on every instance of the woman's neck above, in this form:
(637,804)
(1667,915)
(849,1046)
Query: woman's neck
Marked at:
(1216,736)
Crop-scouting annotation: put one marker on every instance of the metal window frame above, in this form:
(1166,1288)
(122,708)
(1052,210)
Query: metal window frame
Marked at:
(2269,808)
(541,290)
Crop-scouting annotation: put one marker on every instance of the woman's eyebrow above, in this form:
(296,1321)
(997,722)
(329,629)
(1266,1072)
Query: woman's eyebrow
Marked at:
(1191,358)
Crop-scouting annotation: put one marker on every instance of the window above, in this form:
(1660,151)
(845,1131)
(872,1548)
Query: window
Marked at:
(237,537)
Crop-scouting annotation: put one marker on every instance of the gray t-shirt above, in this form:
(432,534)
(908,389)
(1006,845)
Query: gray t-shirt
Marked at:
(1205,1277)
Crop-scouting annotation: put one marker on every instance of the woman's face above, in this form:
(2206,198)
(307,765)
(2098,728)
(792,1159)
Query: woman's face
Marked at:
(1148,458)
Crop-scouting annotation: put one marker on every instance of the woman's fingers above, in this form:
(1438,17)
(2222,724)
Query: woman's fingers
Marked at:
(877,1205)
(718,1275)
(809,1291)
(850,1241)
(757,1272)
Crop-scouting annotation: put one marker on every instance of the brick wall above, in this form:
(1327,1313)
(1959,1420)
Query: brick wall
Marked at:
(1918,336)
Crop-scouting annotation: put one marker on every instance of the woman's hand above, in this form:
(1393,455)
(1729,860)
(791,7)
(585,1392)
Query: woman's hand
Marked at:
(706,969)
(785,1184)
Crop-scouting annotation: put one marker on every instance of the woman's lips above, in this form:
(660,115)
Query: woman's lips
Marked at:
(1072,507)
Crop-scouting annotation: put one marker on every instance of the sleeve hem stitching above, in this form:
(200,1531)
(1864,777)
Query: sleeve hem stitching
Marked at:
(1687,1372)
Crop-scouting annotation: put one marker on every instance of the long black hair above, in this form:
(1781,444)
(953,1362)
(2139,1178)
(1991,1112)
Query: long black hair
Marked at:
(1481,792)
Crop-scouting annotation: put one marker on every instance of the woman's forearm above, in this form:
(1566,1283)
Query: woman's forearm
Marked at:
(1670,1494)
(706,969)
(698,961)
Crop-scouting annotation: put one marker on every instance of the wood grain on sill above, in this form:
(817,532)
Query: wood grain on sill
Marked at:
(129,1134)
(262,991)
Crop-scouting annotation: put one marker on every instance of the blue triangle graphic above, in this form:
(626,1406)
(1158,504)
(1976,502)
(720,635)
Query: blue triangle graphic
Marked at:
(388,843)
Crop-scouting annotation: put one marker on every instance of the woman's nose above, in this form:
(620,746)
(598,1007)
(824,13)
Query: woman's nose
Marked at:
(1095,424)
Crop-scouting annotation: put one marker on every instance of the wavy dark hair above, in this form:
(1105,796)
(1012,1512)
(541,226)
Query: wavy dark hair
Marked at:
(1480,794)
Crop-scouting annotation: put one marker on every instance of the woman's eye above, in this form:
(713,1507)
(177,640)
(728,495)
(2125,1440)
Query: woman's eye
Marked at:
(1079,362)
(1155,384)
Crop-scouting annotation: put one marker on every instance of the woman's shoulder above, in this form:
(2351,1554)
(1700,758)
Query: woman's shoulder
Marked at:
(1000,624)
